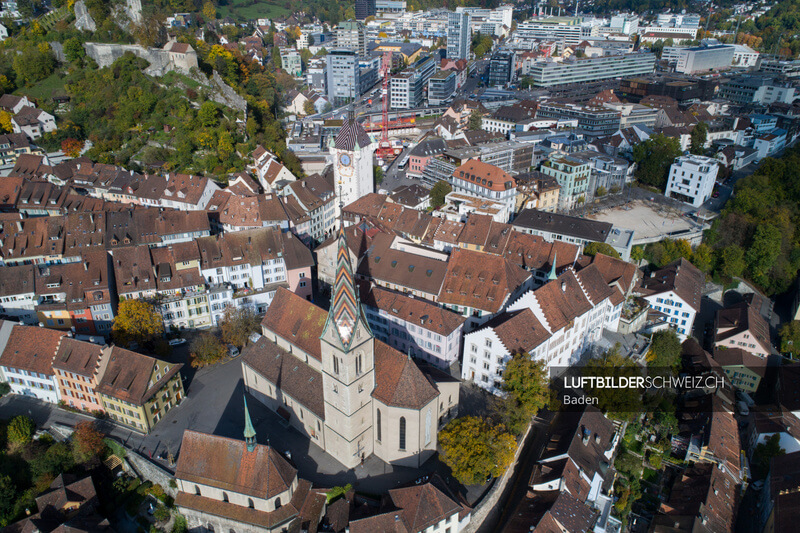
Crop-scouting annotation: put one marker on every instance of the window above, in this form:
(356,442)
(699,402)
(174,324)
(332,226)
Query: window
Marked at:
(402,433)
(197,490)
(225,497)
(378,424)
(277,503)
(359,364)
(250,503)
(335,365)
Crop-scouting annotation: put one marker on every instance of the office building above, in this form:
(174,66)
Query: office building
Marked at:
(760,90)
(364,9)
(626,23)
(700,58)
(691,179)
(458,36)
(502,68)
(548,73)
(407,89)
(390,6)
(352,35)
(567,29)
(678,20)
(593,121)
(441,87)
(342,75)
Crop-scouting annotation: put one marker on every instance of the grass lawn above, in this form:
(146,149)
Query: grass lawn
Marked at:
(251,10)
(52,85)
(171,78)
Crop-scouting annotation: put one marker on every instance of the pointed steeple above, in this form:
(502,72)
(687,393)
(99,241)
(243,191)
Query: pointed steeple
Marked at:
(343,312)
(553,274)
(249,430)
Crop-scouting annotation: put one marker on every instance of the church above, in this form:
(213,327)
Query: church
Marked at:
(351,394)
(352,153)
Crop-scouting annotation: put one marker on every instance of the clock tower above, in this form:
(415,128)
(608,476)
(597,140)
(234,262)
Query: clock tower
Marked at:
(352,151)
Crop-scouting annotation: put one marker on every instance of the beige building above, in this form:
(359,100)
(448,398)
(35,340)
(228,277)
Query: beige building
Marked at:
(351,394)
(742,326)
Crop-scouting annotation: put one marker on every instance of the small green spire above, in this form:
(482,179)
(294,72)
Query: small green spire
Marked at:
(249,431)
(553,274)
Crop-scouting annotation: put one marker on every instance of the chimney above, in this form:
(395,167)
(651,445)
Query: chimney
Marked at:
(563,286)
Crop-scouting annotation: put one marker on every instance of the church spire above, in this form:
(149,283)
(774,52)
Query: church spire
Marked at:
(343,312)
(249,430)
(553,274)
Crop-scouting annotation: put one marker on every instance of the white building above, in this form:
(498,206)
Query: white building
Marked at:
(26,360)
(555,324)
(626,23)
(352,150)
(744,56)
(675,292)
(476,178)
(691,179)
(415,327)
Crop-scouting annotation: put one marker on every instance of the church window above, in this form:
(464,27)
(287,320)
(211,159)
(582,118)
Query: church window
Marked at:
(402,433)
(378,424)
(359,365)
(225,497)
(335,365)
(428,427)
(277,503)
(250,504)
(197,490)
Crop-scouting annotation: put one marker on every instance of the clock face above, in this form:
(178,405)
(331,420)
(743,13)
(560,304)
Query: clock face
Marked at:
(344,159)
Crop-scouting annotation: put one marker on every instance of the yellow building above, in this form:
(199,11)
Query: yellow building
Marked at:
(137,390)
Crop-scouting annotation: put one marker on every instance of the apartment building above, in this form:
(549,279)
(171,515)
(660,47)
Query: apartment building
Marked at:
(415,327)
(549,73)
(675,292)
(407,89)
(593,121)
(483,180)
(137,390)
(755,89)
(78,367)
(572,175)
(27,360)
(742,326)
(502,68)
(18,293)
(352,35)
(181,294)
(691,179)
(343,76)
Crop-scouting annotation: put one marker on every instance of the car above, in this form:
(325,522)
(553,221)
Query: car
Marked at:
(233,351)
(177,342)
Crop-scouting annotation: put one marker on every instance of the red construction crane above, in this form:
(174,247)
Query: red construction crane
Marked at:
(384,147)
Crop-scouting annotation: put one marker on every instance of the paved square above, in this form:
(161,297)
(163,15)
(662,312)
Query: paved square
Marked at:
(648,220)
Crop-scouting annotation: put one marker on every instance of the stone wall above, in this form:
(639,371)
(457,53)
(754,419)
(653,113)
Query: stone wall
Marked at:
(225,95)
(487,507)
(83,20)
(105,55)
(146,469)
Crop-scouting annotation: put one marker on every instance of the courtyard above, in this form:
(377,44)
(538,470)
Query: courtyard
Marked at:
(651,221)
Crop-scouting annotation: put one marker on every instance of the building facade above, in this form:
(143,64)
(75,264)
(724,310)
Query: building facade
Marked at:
(459,36)
(691,179)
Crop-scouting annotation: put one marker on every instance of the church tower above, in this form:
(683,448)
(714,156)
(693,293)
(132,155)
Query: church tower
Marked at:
(352,150)
(348,376)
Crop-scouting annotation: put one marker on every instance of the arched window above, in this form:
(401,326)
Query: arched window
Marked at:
(197,490)
(402,433)
(378,424)
(250,504)
(277,503)
(225,497)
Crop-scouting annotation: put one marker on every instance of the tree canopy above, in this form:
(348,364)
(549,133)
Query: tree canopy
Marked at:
(474,449)
(525,383)
(654,157)
(438,192)
(594,248)
(136,321)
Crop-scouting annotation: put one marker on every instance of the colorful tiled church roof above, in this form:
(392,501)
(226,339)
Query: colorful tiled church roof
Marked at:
(343,313)
(351,134)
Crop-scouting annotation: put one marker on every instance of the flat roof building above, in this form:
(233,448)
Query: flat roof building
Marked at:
(548,73)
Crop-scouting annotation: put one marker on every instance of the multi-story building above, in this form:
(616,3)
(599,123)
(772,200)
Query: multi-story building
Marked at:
(78,367)
(567,29)
(137,390)
(744,56)
(701,58)
(459,36)
(769,144)
(407,89)
(593,121)
(18,293)
(691,179)
(626,23)
(352,150)
(291,62)
(742,326)
(27,360)
(352,35)
(476,178)
(343,75)
(549,73)
(181,294)
(572,175)
(502,68)
(754,89)
(364,9)
(441,87)
(675,292)
(415,327)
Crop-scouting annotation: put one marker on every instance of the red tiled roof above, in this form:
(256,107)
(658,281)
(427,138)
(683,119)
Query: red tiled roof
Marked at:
(485,175)
(32,349)
(296,320)
(398,380)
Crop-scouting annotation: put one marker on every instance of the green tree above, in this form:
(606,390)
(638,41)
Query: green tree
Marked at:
(73,49)
(474,449)
(790,338)
(763,252)
(308,107)
(657,47)
(731,261)
(58,459)
(237,325)
(33,64)
(594,248)
(665,350)
(600,191)
(20,430)
(87,442)
(763,454)
(526,82)
(207,349)
(654,157)
(8,497)
(179,525)
(637,253)
(378,173)
(703,257)
(5,388)
(208,115)
(698,138)
(438,192)
(136,321)
(475,121)
(525,383)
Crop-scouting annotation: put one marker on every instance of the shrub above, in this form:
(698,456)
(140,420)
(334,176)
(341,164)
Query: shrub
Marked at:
(20,430)
(161,514)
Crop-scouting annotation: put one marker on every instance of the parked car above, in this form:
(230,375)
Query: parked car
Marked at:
(177,342)
(233,351)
